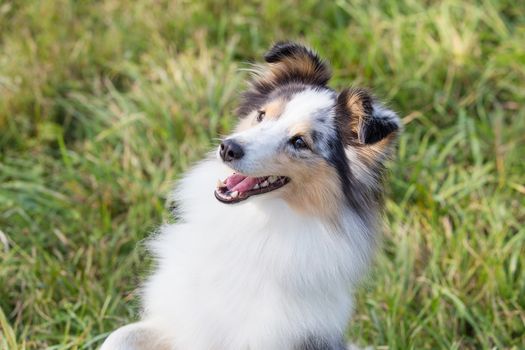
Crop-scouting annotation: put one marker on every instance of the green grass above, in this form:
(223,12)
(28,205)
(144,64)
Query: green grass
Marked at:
(103,104)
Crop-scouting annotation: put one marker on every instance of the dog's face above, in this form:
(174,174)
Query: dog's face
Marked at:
(303,141)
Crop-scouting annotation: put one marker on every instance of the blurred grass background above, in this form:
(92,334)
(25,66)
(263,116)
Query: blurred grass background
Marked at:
(104,103)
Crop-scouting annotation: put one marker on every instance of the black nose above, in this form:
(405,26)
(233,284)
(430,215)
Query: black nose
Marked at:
(230,150)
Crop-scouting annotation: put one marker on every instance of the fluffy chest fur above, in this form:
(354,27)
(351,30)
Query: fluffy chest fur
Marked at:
(256,275)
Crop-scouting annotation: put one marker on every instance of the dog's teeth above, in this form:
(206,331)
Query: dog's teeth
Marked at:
(256,187)
(234,194)
(272,179)
(264,184)
(220,183)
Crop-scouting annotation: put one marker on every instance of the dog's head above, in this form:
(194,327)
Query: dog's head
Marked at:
(301,140)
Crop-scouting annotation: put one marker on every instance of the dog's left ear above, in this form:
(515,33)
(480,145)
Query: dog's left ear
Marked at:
(364,121)
(286,63)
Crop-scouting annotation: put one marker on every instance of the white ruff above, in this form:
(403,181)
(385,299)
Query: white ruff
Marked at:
(254,275)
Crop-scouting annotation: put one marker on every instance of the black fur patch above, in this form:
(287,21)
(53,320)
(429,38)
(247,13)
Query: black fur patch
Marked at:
(317,137)
(282,49)
(356,198)
(376,129)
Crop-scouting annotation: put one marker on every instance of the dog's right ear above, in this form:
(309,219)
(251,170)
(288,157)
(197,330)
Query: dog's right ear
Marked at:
(290,62)
(366,124)
(363,120)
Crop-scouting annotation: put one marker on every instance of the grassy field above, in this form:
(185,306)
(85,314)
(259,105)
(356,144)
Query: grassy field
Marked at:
(103,105)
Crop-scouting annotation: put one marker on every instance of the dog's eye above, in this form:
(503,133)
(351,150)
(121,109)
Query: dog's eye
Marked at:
(298,142)
(260,116)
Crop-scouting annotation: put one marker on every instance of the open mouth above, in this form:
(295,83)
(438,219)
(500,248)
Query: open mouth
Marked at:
(239,187)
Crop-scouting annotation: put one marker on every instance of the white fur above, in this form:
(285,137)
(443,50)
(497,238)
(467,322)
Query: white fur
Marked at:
(255,275)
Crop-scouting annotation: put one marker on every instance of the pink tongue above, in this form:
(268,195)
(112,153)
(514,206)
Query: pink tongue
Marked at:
(245,185)
(233,180)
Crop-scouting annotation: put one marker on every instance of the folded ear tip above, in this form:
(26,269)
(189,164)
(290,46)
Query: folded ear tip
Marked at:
(377,129)
(384,113)
(382,123)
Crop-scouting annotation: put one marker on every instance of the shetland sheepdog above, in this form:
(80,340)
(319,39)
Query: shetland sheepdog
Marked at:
(276,228)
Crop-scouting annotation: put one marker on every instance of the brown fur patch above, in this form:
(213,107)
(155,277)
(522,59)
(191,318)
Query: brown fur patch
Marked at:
(297,68)
(302,65)
(315,188)
(376,153)
(357,111)
(354,108)
(274,109)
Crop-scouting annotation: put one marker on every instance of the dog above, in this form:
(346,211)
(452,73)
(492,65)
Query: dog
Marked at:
(268,256)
